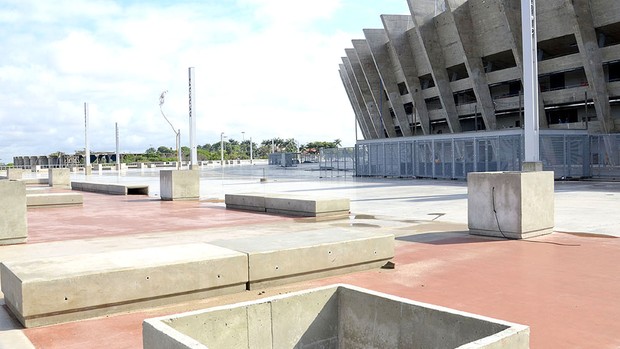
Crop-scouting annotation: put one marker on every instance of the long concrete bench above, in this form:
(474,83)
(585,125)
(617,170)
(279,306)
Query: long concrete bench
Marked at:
(289,204)
(53,290)
(111,188)
(291,257)
(54,199)
(35,181)
(60,289)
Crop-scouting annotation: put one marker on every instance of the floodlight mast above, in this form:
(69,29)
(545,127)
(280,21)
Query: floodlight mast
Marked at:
(177,133)
(530,81)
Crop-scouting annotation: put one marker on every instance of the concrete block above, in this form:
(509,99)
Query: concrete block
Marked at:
(111,188)
(306,206)
(54,200)
(337,316)
(13,217)
(60,289)
(518,205)
(285,258)
(14,174)
(289,204)
(179,185)
(247,202)
(59,177)
(35,168)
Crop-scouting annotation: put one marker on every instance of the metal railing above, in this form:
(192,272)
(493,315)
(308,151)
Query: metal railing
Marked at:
(453,156)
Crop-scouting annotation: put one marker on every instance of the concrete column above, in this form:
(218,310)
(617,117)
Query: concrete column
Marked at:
(592,59)
(59,177)
(369,102)
(512,16)
(427,37)
(354,104)
(397,27)
(366,116)
(179,185)
(13,217)
(377,90)
(461,20)
(378,42)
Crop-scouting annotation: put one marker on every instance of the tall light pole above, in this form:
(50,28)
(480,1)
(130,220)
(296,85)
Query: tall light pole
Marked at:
(222,148)
(243,139)
(192,120)
(177,133)
(251,159)
(86,145)
(118,152)
(530,79)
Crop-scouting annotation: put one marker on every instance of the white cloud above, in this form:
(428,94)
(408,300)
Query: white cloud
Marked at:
(266,67)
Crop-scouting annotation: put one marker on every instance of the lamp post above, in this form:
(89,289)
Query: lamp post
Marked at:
(530,81)
(176,132)
(243,139)
(222,149)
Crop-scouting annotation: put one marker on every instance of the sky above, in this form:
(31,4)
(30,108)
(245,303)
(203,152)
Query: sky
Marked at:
(263,69)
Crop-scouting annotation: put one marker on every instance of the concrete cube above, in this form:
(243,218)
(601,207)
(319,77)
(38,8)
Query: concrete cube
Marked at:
(179,185)
(59,177)
(515,205)
(13,218)
(14,174)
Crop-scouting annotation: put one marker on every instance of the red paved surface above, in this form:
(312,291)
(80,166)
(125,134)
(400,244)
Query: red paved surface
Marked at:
(566,289)
(568,295)
(110,215)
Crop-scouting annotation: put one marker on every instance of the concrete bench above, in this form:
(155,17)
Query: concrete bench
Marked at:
(111,188)
(13,214)
(34,181)
(336,316)
(289,204)
(285,258)
(68,288)
(54,199)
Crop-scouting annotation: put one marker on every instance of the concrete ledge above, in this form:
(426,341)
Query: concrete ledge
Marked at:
(60,289)
(289,204)
(338,316)
(13,215)
(35,181)
(54,199)
(111,188)
(246,202)
(286,258)
(14,174)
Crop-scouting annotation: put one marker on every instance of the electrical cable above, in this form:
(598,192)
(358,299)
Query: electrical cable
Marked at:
(508,238)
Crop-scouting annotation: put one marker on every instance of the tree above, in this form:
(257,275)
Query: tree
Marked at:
(150,150)
(164,150)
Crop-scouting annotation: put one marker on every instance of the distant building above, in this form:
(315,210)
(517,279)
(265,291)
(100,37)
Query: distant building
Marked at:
(455,66)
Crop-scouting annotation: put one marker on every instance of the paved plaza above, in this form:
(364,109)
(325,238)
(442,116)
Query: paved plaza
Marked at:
(565,286)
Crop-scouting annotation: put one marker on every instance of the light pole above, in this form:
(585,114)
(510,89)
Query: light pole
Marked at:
(251,160)
(177,133)
(530,81)
(222,149)
(243,140)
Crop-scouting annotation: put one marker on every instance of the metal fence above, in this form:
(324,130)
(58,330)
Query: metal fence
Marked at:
(566,152)
(605,156)
(339,159)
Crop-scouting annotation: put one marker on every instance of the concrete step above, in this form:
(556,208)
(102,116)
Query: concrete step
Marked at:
(289,204)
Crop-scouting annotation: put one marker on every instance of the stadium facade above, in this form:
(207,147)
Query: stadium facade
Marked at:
(454,68)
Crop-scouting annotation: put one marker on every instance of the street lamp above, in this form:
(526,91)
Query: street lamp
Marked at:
(177,133)
(243,141)
(222,148)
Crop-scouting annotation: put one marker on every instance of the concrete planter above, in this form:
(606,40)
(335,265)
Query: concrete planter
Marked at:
(338,316)
(179,185)
(516,205)
(13,220)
